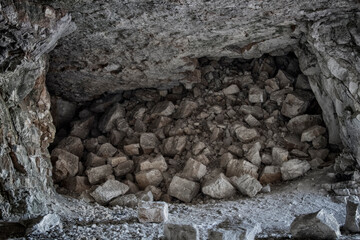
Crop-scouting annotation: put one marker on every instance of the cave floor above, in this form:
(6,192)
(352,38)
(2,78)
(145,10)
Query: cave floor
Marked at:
(274,211)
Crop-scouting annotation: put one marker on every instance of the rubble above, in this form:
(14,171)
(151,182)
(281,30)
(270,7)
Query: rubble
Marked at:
(246,184)
(108,191)
(234,229)
(173,231)
(170,142)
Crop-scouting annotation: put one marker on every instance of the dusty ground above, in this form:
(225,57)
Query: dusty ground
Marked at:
(275,211)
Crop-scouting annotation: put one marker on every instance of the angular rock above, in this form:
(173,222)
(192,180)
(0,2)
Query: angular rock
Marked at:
(102,104)
(198,147)
(114,161)
(245,134)
(183,189)
(77,184)
(270,174)
(160,122)
(234,229)
(165,108)
(240,167)
(316,163)
(294,105)
(246,184)
(106,150)
(174,145)
(284,79)
(129,200)
(157,162)
(352,221)
(91,144)
(318,225)
(253,155)
(319,142)
(311,133)
(294,168)
(232,89)
(82,128)
(279,155)
(302,82)
(123,167)
(194,170)
(93,160)
(271,85)
(180,231)
(148,177)
(256,95)
(279,96)
(73,145)
(319,153)
(66,165)
(148,141)
(153,212)
(218,187)
(185,109)
(97,174)
(147,95)
(121,125)
(132,149)
(108,120)
(225,159)
(45,224)
(252,121)
(300,123)
(236,150)
(292,141)
(108,191)
(256,111)
(266,159)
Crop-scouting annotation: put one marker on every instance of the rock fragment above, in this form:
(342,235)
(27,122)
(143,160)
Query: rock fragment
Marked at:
(108,120)
(234,229)
(352,221)
(270,174)
(149,177)
(240,167)
(185,109)
(218,187)
(246,184)
(318,225)
(256,95)
(279,155)
(180,231)
(294,168)
(245,134)
(193,170)
(311,133)
(232,89)
(148,141)
(96,174)
(108,191)
(183,189)
(174,145)
(294,105)
(153,212)
(157,162)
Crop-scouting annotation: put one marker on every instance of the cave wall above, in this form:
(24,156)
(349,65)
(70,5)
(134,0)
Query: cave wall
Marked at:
(28,32)
(130,44)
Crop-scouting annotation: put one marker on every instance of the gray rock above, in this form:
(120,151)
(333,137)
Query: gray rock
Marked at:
(318,225)
(352,221)
(319,142)
(180,231)
(218,187)
(108,120)
(294,105)
(232,89)
(186,108)
(174,145)
(279,155)
(154,212)
(66,164)
(45,224)
(311,133)
(252,121)
(77,184)
(319,153)
(73,145)
(165,108)
(123,167)
(256,95)
(194,170)
(81,128)
(240,167)
(132,149)
(183,189)
(300,123)
(106,150)
(247,185)
(294,168)
(253,155)
(102,104)
(93,160)
(256,111)
(198,147)
(157,162)
(129,200)
(148,141)
(97,174)
(245,134)
(234,229)
(108,191)
(149,177)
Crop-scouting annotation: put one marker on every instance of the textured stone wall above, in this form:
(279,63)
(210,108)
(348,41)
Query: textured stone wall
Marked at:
(28,32)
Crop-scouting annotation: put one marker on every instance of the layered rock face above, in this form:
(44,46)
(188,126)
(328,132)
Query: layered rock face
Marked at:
(28,32)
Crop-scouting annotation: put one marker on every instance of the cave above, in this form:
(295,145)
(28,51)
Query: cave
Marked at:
(221,117)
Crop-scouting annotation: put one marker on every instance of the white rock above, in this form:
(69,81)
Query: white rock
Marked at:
(154,212)
(294,168)
(108,191)
(218,187)
(247,185)
(232,89)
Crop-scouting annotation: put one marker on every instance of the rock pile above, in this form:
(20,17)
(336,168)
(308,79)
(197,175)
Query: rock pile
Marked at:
(242,125)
